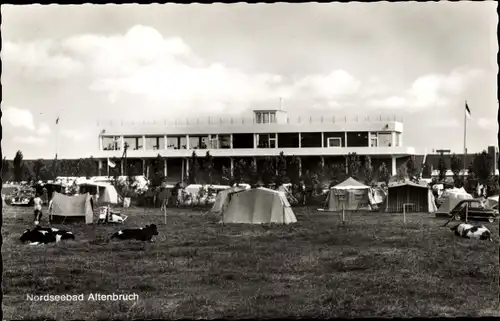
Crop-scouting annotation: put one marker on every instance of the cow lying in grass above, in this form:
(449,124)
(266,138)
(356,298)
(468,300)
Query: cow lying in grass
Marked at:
(140,234)
(472,232)
(45,235)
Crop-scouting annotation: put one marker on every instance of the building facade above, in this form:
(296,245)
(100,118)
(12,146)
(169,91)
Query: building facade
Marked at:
(267,133)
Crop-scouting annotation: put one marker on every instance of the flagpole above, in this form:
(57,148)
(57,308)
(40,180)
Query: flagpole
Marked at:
(57,149)
(465,136)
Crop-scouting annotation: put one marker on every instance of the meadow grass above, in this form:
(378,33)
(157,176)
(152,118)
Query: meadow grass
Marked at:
(373,265)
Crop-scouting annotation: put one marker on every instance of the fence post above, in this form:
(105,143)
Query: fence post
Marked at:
(343,214)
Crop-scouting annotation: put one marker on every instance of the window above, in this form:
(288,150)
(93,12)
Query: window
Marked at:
(272,118)
(155,143)
(204,142)
(474,205)
(183,142)
(266,141)
(224,141)
(357,139)
(334,142)
(272,140)
(173,142)
(213,142)
(373,140)
(265,119)
(111,142)
(259,118)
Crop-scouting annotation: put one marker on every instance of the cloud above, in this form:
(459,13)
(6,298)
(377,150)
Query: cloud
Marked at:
(73,134)
(430,91)
(43,129)
(29,139)
(487,123)
(40,59)
(143,63)
(337,83)
(18,117)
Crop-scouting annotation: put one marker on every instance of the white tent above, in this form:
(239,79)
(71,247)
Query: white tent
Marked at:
(221,197)
(349,195)
(107,192)
(71,206)
(492,201)
(257,206)
(451,197)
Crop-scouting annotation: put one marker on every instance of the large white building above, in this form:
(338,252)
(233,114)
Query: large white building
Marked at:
(267,133)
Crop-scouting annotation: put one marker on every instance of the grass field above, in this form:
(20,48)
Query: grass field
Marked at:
(371,266)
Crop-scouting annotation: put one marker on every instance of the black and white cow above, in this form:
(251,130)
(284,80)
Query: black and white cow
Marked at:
(60,234)
(472,232)
(140,234)
(37,236)
(45,235)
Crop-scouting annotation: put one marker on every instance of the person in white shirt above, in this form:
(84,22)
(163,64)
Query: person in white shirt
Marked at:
(37,208)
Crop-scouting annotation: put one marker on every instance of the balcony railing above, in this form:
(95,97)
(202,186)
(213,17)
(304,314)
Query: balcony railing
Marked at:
(237,121)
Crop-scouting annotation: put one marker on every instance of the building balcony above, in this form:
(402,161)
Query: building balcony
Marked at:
(261,152)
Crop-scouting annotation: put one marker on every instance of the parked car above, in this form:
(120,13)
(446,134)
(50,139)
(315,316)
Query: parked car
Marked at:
(23,197)
(475,210)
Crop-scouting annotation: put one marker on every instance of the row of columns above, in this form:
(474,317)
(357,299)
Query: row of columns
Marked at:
(185,166)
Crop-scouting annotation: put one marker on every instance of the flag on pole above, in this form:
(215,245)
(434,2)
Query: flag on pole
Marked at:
(57,120)
(111,163)
(467,111)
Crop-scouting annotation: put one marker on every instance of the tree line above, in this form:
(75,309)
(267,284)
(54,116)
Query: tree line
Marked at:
(272,170)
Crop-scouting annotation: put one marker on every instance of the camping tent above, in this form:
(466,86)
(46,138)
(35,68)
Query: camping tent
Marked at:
(492,201)
(257,206)
(72,206)
(349,195)
(107,192)
(419,196)
(452,197)
(221,197)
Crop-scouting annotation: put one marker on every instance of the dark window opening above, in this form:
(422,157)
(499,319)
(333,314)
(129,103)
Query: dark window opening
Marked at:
(357,139)
(288,140)
(311,140)
(243,140)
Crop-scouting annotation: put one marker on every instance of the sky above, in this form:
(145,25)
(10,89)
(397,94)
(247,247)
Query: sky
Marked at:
(88,64)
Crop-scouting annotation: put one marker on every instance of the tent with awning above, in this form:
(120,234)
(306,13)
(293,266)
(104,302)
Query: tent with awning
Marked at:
(349,195)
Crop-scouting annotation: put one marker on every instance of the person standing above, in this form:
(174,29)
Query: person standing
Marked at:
(37,201)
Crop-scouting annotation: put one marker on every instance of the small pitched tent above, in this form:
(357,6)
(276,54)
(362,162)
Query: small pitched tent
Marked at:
(221,197)
(419,196)
(71,207)
(349,195)
(257,206)
(492,201)
(107,192)
(451,197)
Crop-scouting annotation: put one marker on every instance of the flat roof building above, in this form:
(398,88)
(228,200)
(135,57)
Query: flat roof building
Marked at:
(267,133)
